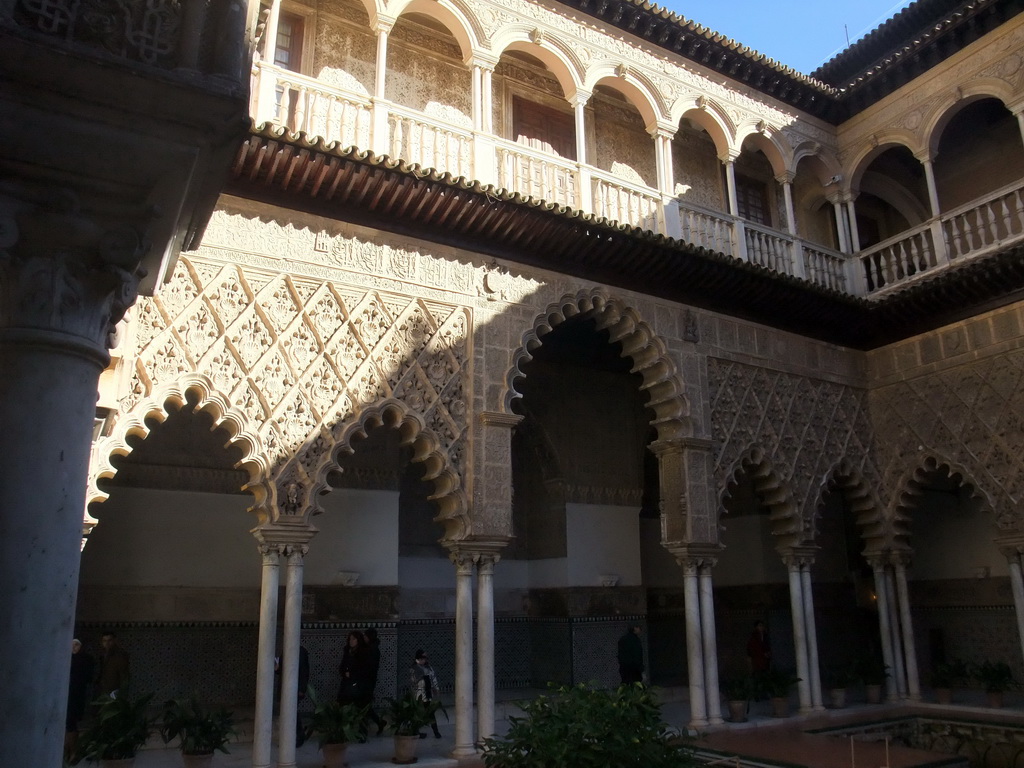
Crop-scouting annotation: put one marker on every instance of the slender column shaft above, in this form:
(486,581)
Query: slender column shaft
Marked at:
(709,645)
(796,606)
(1017,585)
(290,660)
(851,216)
(270,32)
(485,647)
(380,71)
(477,98)
(487,88)
(909,650)
(812,638)
(464,746)
(264,719)
(899,670)
(579,112)
(787,195)
(884,627)
(844,243)
(730,188)
(694,648)
(933,192)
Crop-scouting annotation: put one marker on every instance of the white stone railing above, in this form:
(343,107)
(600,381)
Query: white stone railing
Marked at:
(537,174)
(824,266)
(769,248)
(302,103)
(430,142)
(991,222)
(708,229)
(626,203)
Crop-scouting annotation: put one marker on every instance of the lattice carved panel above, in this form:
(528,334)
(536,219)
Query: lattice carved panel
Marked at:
(805,427)
(301,357)
(971,416)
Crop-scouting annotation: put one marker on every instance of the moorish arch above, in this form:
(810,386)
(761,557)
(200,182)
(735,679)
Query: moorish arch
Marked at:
(849,481)
(562,63)
(636,87)
(414,433)
(787,525)
(199,393)
(934,124)
(457,17)
(773,145)
(648,352)
(863,157)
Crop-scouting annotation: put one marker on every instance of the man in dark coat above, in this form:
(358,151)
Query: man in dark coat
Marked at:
(79,685)
(631,656)
(113,678)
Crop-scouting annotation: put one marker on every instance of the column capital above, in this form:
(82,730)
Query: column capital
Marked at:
(925,156)
(67,275)
(1011,547)
(381,22)
(579,98)
(285,536)
(664,130)
(498,419)
(729,156)
(786,177)
(484,61)
(798,557)
(695,557)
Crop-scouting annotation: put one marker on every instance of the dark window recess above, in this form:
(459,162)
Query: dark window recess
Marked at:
(288,47)
(752,200)
(544,128)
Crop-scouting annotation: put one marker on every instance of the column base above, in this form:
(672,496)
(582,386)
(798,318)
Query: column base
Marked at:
(462,752)
(715,721)
(693,724)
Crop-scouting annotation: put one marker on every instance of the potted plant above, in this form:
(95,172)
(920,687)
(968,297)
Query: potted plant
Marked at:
(777,684)
(200,731)
(578,726)
(406,716)
(120,729)
(873,671)
(945,676)
(738,692)
(335,725)
(838,680)
(997,677)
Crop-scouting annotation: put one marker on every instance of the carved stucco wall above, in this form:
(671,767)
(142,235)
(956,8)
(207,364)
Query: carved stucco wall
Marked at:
(804,427)
(623,146)
(425,73)
(696,168)
(955,397)
(344,48)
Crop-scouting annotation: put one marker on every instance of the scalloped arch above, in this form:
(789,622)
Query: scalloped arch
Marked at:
(176,395)
(426,449)
(774,492)
(846,479)
(647,351)
(911,486)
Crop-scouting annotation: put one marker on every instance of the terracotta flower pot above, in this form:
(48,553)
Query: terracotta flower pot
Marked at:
(838,696)
(944,695)
(995,699)
(874,693)
(405,749)
(127,762)
(334,755)
(738,711)
(780,706)
(197,761)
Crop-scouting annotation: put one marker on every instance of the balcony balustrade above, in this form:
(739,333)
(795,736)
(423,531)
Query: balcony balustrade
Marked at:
(302,103)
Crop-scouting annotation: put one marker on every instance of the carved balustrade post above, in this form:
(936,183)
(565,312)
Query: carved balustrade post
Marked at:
(66,279)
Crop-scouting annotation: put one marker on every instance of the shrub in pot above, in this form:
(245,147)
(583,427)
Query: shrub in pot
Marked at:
(777,684)
(201,731)
(738,692)
(873,671)
(335,726)
(838,679)
(406,716)
(119,730)
(946,676)
(580,727)
(997,678)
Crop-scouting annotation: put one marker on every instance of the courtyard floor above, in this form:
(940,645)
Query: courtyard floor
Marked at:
(780,741)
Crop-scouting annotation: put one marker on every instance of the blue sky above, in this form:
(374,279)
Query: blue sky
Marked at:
(802,34)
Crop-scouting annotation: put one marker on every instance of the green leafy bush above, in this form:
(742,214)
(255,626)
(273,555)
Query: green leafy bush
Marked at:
(118,731)
(995,676)
(334,722)
(406,715)
(579,727)
(202,731)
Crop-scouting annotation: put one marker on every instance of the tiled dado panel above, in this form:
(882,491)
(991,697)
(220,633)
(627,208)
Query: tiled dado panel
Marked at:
(595,646)
(971,633)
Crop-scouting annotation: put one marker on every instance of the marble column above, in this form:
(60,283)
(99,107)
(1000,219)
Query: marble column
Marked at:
(786,180)
(730,186)
(709,641)
(585,192)
(837,210)
(933,191)
(884,630)
(464,743)
(290,657)
(380,134)
(812,637)
(694,645)
(270,32)
(65,281)
(796,607)
(851,216)
(909,649)
(264,718)
(1013,560)
(485,645)
(899,669)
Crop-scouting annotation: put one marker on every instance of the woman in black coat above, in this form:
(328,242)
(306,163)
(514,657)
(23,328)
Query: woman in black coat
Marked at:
(354,665)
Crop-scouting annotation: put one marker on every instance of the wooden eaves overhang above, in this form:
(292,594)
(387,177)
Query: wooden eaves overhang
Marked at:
(293,171)
(916,39)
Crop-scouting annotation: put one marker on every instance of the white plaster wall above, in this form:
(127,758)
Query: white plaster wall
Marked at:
(660,569)
(426,573)
(173,539)
(942,519)
(358,532)
(749,556)
(600,540)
